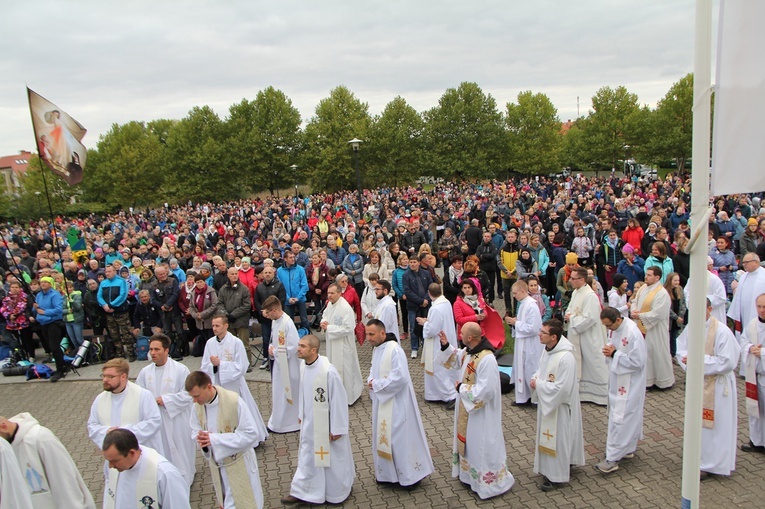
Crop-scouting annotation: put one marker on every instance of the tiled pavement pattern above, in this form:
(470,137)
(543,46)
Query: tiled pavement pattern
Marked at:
(651,479)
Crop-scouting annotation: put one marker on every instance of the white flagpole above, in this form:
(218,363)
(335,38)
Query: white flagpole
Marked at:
(702,79)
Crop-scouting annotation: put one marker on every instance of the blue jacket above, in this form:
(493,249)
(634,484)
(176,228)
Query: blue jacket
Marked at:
(398,281)
(416,293)
(52,303)
(294,281)
(337,256)
(634,272)
(113,292)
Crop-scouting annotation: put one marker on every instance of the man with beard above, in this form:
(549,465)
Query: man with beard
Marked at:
(386,310)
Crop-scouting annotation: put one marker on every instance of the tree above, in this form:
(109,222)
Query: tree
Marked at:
(534,134)
(396,144)
(339,118)
(610,126)
(30,204)
(264,139)
(672,126)
(464,135)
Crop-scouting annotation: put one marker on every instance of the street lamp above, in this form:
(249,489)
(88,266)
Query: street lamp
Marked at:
(39,207)
(355,142)
(294,168)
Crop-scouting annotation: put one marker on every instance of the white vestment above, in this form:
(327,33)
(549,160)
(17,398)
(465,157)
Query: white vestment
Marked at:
(411,455)
(743,308)
(230,374)
(172,490)
(317,485)
(588,336)
(369,303)
(145,427)
(718,444)
(169,381)
(13,490)
(440,385)
(562,395)
(284,415)
(387,313)
(226,444)
(341,346)
(626,390)
(716,295)
(656,321)
(756,424)
(48,469)
(528,349)
(484,465)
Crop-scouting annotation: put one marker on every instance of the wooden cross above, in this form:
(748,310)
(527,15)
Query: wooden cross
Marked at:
(321,452)
(547,434)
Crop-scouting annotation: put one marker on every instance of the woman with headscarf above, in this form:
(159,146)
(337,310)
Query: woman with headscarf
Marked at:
(202,307)
(469,306)
(452,278)
(525,266)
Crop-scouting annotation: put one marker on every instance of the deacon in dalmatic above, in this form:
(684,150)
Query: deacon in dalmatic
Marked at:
(325,470)
(339,322)
(720,401)
(166,379)
(285,383)
(399,447)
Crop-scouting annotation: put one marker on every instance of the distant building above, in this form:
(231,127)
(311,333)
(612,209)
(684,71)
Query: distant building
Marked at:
(566,126)
(12,168)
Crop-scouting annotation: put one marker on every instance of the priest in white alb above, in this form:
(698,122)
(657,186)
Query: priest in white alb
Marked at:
(124,404)
(13,490)
(138,476)
(339,322)
(625,356)
(650,311)
(742,307)
(223,427)
(325,470)
(386,310)
(588,336)
(752,340)
(720,401)
(560,441)
(479,458)
(285,381)
(399,448)
(166,379)
(225,361)
(52,478)
(439,375)
(526,325)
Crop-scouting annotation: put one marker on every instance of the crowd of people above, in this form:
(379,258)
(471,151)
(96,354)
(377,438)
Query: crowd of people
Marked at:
(590,275)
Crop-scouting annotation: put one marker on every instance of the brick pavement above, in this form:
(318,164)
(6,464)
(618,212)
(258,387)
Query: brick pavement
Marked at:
(651,479)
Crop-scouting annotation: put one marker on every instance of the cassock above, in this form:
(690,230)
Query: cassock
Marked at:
(653,303)
(718,438)
(13,490)
(169,381)
(387,313)
(285,383)
(560,442)
(439,376)
(478,446)
(588,336)
(237,442)
(140,415)
(369,303)
(319,484)
(626,390)
(168,487)
(341,346)
(230,374)
(716,295)
(399,448)
(528,349)
(49,471)
(754,334)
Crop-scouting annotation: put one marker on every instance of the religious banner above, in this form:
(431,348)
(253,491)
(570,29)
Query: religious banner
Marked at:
(58,138)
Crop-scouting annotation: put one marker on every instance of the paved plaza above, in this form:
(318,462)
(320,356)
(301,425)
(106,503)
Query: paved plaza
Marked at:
(651,479)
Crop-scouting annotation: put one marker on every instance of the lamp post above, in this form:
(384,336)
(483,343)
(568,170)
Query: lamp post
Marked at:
(355,142)
(39,207)
(294,168)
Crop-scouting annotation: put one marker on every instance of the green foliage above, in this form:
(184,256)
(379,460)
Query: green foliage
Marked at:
(339,118)
(29,204)
(534,134)
(672,125)
(464,135)
(395,144)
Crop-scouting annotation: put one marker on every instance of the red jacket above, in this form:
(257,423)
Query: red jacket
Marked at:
(250,280)
(352,298)
(463,314)
(633,237)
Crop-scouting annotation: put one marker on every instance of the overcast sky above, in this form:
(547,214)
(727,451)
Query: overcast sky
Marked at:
(111,62)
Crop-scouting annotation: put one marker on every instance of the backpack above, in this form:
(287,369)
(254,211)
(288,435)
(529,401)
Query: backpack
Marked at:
(302,331)
(198,346)
(142,348)
(39,371)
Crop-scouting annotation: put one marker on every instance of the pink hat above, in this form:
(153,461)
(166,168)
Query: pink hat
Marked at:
(628,249)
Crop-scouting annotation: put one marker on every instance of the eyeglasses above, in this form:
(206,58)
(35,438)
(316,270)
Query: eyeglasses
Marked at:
(109,377)
(748,261)
(572,278)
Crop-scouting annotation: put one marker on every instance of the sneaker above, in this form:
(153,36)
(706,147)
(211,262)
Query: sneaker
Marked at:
(607,467)
(264,364)
(414,354)
(56,376)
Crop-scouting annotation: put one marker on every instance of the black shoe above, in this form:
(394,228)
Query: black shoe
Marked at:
(249,369)
(548,485)
(176,358)
(290,500)
(450,404)
(132,357)
(56,376)
(750,447)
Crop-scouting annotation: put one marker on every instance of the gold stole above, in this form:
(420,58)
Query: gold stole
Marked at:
(321,430)
(228,421)
(752,396)
(385,410)
(647,307)
(462,414)
(708,412)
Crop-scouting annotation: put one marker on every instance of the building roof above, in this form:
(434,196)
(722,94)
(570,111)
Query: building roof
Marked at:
(17,162)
